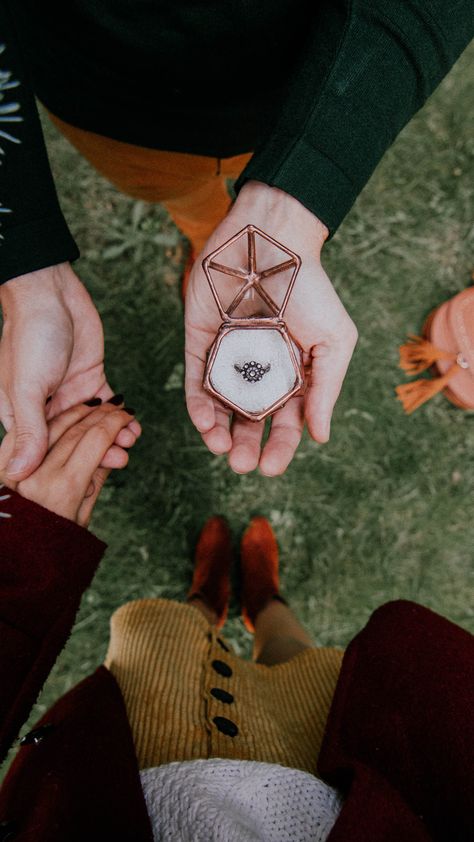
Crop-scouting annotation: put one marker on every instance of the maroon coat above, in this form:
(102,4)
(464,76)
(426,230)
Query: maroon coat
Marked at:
(399,739)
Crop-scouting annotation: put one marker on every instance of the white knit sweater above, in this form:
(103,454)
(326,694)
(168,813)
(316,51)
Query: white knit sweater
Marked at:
(237,801)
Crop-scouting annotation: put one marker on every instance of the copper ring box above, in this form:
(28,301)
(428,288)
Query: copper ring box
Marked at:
(254,366)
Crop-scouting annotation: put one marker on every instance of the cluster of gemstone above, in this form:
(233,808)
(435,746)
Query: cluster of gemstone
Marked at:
(252,371)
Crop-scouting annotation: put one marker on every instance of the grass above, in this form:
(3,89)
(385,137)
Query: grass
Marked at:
(385,509)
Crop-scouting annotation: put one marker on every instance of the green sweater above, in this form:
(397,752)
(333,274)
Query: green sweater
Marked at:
(318,90)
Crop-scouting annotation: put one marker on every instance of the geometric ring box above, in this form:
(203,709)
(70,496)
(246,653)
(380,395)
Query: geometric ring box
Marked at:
(254,366)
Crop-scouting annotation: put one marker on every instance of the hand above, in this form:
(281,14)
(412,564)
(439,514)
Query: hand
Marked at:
(69,480)
(315,316)
(52,345)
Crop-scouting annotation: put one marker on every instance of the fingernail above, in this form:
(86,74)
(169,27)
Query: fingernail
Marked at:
(93,402)
(129,410)
(15,466)
(116,399)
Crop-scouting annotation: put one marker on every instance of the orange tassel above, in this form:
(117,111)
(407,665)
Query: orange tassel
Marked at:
(418,354)
(414,394)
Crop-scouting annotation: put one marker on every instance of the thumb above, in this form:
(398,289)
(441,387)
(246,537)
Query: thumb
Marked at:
(95,487)
(31,435)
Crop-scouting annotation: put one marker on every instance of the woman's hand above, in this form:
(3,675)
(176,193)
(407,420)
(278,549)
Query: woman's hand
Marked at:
(69,480)
(315,317)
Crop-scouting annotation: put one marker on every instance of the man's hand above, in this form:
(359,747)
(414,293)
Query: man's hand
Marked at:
(315,317)
(52,345)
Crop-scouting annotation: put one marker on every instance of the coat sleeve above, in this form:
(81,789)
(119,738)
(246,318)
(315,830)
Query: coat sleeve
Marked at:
(33,231)
(46,562)
(367,67)
(399,739)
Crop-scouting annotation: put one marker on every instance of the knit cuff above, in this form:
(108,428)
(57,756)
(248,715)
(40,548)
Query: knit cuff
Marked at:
(35,245)
(306,173)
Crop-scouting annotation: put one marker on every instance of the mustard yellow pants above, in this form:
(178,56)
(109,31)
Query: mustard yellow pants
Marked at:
(193,188)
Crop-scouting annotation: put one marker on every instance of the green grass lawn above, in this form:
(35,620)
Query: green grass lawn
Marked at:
(385,510)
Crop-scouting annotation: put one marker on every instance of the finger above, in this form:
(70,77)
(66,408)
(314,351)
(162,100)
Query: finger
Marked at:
(6,412)
(65,444)
(7,443)
(31,434)
(93,445)
(115,458)
(136,428)
(72,394)
(246,442)
(328,369)
(284,438)
(126,438)
(95,487)
(68,419)
(200,405)
(105,392)
(6,453)
(219,439)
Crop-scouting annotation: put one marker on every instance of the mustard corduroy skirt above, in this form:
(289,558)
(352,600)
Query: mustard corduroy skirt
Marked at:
(189,696)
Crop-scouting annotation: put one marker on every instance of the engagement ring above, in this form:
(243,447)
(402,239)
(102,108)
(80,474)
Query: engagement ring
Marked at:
(252,371)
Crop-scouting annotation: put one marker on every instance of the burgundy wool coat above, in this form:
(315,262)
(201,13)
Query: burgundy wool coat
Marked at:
(399,738)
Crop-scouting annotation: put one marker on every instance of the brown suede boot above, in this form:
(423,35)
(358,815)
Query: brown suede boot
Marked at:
(212,563)
(259,580)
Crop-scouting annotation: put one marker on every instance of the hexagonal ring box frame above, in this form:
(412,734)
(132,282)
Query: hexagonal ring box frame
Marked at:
(254,388)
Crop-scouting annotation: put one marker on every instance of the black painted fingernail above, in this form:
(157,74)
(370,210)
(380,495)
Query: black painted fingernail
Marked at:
(116,400)
(93,402)
(129,410)
(49,399)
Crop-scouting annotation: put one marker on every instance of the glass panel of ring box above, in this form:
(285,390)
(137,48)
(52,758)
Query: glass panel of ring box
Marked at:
(254,365)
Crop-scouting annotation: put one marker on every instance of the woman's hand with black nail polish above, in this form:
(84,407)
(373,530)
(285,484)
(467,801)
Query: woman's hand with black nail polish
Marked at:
(70,478)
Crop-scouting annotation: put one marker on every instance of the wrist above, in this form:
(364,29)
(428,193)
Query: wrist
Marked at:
(52,279)
(282,216)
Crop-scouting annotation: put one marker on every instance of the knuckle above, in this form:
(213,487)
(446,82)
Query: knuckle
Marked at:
(25,394)
(352,334)
(122,419)
(26,433)
(29,487)
(322,349)
(75,432)
(103,432)
(84,424)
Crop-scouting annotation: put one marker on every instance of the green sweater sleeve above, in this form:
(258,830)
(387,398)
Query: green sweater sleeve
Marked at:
(367,67)
(33,231)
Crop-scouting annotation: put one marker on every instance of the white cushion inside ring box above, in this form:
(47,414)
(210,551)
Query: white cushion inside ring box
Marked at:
(265,346)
